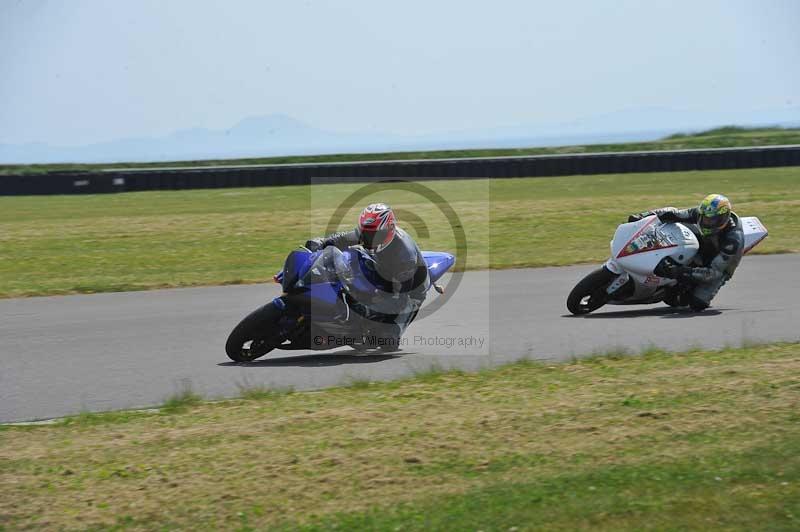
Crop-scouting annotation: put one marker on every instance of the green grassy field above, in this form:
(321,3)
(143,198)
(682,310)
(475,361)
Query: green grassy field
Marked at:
(723,137)
(97,243)
(699,440)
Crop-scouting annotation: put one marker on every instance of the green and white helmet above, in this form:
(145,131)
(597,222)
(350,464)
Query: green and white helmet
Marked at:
(714,214)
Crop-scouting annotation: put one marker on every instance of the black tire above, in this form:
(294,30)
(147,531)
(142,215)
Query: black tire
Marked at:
(590,293)
(260,328)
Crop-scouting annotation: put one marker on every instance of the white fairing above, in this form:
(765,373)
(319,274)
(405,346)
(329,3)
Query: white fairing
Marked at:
(638,247)
(754,232)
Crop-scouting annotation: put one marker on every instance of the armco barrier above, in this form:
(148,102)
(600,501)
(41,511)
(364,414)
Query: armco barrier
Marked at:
(103,181)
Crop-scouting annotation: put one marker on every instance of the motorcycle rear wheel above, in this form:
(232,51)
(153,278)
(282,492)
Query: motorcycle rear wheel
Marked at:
(590,292)
(260,330)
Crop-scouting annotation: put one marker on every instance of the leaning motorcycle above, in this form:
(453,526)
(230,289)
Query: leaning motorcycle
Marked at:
(330,299)
(639,250)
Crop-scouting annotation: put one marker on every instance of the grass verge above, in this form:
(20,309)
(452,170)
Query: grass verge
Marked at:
(102,243)
(666,441)
(184,398)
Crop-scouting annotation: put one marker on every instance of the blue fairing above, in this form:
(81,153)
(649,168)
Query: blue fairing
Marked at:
(438,263)
(299,263)
(296,265)
(303,261)
(327,292)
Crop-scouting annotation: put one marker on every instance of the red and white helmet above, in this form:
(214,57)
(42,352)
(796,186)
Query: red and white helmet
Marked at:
(376,227)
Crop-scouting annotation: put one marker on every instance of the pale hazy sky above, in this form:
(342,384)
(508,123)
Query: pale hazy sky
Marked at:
(80,71)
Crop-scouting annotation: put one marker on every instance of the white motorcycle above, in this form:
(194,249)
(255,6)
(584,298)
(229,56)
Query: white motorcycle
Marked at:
(637,250)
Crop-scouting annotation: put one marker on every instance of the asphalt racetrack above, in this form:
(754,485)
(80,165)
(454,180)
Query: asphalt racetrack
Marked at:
(65,355)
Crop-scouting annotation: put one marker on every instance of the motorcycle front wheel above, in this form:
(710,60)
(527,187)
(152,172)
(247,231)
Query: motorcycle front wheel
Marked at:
(590,293)
(255,336)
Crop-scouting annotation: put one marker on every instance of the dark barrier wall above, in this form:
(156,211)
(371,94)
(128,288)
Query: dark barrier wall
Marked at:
(419,170)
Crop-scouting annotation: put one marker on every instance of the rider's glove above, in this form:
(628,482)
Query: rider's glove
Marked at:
(314,244)
(634,218)
(668,217)
(668,269)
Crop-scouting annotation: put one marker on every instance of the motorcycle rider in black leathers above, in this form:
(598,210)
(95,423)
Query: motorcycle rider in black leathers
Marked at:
(399,268)
(721,238)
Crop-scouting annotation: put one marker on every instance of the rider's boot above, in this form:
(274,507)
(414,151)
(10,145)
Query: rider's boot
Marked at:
(700,297)
(391,338)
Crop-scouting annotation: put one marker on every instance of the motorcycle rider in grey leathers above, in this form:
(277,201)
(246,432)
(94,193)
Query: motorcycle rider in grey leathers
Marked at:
(721,238)
(399,267)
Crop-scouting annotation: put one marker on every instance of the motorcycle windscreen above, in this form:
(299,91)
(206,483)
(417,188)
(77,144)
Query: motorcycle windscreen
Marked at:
(438,263)
(317,293)
(649,237)
(329,266)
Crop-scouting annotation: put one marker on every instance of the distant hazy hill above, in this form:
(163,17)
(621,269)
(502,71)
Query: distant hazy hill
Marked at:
(282,135)
(274,134)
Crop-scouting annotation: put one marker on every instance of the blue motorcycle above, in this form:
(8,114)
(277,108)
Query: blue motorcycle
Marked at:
(331,298)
